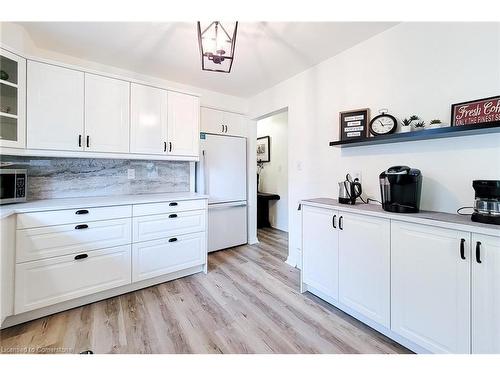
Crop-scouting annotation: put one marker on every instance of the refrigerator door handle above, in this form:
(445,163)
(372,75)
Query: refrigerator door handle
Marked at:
(205,172)
(226,205)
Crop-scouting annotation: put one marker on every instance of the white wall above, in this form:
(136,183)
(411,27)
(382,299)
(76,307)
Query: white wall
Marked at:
(411,68)
(15,37)
(274,175)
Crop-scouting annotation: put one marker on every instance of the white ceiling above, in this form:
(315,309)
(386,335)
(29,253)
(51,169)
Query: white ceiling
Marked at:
(266,52)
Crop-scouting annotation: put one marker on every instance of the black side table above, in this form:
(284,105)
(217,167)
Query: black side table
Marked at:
(263,208)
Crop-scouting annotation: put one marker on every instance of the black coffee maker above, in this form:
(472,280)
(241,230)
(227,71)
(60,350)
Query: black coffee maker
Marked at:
(400,187)
(487,201)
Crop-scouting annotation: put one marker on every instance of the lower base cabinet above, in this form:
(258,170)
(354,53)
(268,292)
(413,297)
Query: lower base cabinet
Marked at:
(160,257)
(485,294)
(430,273)
(49,281)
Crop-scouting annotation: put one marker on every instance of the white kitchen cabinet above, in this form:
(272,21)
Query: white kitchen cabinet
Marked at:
(430,293)
(320,250)
(12,100)
(220,122)
(160,257)
(485,294)
(183,124)
(55,107)
(106,114)
(148,120)
(50,281)
(7,266)
(364,265)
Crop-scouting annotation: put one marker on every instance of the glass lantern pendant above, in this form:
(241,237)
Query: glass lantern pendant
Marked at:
(217,45)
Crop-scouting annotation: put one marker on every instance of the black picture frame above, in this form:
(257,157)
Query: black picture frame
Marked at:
(346,127)
(266,142)
(452,114)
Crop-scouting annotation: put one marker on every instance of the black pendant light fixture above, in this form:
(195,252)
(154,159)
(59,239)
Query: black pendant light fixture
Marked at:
(217,45)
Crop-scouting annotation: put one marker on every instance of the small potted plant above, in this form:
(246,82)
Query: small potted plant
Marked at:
(420,125)
(406,123)
(435,124)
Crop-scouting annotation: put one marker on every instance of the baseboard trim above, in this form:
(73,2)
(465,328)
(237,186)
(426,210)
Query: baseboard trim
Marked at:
(253,241)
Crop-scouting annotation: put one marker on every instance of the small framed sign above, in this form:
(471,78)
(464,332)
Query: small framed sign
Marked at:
(264,149)
(474,112)
(354,124)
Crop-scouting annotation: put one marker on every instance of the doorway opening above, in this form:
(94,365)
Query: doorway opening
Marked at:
(272,178)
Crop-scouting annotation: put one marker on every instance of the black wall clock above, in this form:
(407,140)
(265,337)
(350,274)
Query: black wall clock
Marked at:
(383,124)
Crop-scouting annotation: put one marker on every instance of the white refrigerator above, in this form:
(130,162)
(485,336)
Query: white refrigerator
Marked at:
(222,175)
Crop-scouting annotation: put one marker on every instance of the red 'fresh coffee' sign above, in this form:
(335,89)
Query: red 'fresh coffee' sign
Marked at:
(476,112)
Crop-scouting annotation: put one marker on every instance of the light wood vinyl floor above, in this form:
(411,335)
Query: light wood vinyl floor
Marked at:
(248,303)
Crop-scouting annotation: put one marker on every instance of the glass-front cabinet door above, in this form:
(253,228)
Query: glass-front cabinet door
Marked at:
(12,100)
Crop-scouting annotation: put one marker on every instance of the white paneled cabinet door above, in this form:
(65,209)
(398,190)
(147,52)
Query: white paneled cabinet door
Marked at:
(430,293)
(364,265)
(212,121)
(234,124)
(183,124)
(320,250)
(148,113)
(106,114)
(12,100)
(54,107)
(485,294)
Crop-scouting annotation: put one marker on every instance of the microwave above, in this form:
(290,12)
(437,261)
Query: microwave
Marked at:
(13,184)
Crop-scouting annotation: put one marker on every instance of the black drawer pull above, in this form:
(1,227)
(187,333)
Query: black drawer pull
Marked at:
(462,248)
(81,226)
(333,221)
(81,256)
(81,212)
(173,204)
(478,252)
(340,223)
(172,216)
(172,239)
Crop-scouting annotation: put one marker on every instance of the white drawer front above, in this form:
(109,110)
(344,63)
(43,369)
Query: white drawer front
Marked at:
(80,215)
(47,242)
(154,227)
(160,257)
(47,282)
(168,207)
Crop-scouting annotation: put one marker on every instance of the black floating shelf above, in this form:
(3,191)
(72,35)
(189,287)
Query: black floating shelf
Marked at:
(418,135)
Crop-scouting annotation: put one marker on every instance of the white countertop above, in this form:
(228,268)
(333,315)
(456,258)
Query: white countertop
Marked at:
(88,202)
(442,219)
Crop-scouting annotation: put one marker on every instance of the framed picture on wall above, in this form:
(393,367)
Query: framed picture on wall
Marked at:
(354,124)
(264,149)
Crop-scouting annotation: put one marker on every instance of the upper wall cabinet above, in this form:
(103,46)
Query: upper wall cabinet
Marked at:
(55,109)
(106,114)
(12,100)
(219,122)
(183,124)
(148,116)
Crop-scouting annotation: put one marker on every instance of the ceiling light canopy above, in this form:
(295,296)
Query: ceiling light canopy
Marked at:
(217,45)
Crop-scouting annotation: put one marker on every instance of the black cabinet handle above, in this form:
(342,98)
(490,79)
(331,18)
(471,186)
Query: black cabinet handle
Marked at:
(164,146)
(478,252)
(222,128)
(88,141)
(226,128)
(333,221)
(79,140)
(172,216)
(173,204)
(81,212)
(81,256)
(172,239)
(81,226)
(169,146)
(462,248)
(340,223)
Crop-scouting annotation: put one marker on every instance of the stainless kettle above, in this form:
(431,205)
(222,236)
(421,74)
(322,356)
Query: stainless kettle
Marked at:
(349,190)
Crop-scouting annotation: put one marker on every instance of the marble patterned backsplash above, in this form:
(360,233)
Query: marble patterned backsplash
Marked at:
(71,177)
